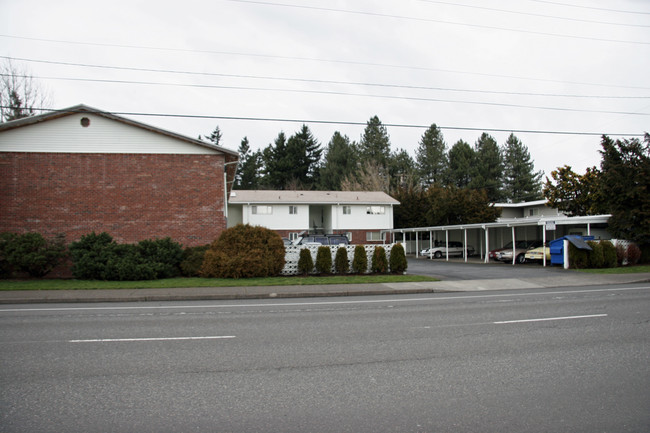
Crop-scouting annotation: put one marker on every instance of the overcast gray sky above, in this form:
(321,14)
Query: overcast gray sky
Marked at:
(469,66)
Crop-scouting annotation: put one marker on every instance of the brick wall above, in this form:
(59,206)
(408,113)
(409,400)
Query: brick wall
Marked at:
(130,196)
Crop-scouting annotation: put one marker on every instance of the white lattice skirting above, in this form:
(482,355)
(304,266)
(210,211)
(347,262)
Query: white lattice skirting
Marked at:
(293,254)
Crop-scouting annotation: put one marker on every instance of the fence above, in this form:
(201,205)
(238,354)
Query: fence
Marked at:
(292,255)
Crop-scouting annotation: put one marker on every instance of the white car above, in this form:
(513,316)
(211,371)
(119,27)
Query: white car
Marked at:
(440,250)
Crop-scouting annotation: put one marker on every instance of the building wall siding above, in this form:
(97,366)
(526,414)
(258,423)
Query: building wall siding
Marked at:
(130,196)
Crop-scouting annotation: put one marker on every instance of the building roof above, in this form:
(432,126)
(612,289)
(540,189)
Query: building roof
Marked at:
(55,114)
(311,197)
(522,204)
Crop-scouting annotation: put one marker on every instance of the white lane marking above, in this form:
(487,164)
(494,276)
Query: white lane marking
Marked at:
(548,319)
(120,340)
(291,304)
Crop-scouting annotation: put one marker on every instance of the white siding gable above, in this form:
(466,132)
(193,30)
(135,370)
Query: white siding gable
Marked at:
(103,135)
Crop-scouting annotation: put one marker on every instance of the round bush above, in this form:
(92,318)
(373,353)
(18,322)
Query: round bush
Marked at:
(324,260)
(578,259)
(305,262)
(397,261)
(31,253)
(244,251)
(192,260)
(360,260)
(596,259)
(341,263)
(379,261)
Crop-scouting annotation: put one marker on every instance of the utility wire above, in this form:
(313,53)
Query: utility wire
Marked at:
(314,59)
(316,81)
(431,20)
(339,122)
(324,92)
(590,7)
(608,23)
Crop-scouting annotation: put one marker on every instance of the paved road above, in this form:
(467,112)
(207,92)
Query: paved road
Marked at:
(470,362)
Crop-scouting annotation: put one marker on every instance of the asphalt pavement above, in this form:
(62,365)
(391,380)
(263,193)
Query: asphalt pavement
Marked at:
(455,276)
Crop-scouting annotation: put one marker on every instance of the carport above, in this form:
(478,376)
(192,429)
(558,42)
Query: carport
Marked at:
(489,236)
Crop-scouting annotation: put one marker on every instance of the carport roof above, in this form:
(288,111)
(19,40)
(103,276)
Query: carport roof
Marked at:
(512,222)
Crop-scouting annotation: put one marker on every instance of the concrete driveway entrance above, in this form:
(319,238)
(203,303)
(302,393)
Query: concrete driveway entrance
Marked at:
(475,269)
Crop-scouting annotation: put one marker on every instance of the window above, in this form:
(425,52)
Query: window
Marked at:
(533,212)
(293,236)
(261,210)
(373,236)
(293,210)
(347,210)
(375,210)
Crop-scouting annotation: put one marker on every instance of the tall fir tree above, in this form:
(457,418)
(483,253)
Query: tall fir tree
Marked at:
(340,161)
(431,157)
(401,169)
(375,143)
(277,166)
(462,165)
(303,153)
(521,181)
(489,168)
(250,165)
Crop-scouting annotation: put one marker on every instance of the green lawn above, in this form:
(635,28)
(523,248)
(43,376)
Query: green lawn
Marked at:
(205,282)
(621,270)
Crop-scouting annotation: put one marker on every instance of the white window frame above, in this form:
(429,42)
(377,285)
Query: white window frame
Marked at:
(373,237)
(347,209)
(375,210)
(261,210)
(293,210)
(293,236)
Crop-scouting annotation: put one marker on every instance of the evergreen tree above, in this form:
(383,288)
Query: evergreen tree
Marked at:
(431,157)
(401,169)
(375,143)
(340,161)
(462,164)
(625,182)
(215,136)
(250,164)
(277,173)
(303,155)
(489,168)
(521,182)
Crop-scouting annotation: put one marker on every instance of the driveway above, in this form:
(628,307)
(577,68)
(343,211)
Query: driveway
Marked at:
(475,269)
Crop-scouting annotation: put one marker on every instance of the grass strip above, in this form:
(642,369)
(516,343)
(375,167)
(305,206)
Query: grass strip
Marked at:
(46,284)
(620,270)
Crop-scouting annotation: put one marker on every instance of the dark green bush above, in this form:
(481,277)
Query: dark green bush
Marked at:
(98,257)
(397,261)
(596,258)
(379,260)
(30,253)
(360,260)
(645,253)
(6,268)
(164,256)
(305,262)
(324,260)
(609,254)
(578,259)
(620,254)
(341,262)
(192,260)
(244,251)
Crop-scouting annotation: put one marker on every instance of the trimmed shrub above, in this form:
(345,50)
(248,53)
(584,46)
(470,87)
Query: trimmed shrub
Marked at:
(90,254)
(360,260)
(192,260)
(6,268)
(341,263)
(324,260)
(633,254)
(31,253)
(621,255)
(126,263)
(609,254)
(379,261)
(244,251)
(596,259)
(305,262)
(397,261)
(578,259)
(162,255)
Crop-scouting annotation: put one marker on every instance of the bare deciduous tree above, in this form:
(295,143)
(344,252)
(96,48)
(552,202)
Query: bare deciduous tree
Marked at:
(20,95)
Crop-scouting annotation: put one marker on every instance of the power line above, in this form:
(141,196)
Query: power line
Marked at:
(324,92)
(609,23)
(590,7)
(316,81)
(432,20)
(315,59)
(351,123)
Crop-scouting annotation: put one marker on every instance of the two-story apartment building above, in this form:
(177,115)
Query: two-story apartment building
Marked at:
(361,215)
